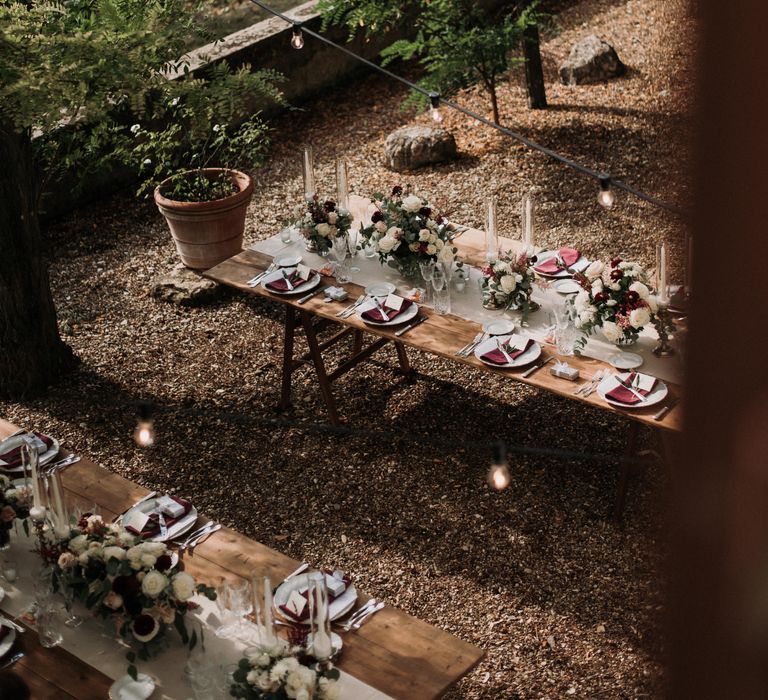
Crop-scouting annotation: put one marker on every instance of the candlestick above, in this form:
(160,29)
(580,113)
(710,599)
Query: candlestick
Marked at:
(322,646)
(342,185)
(268,610)
(491,234)
(59,513)
(527,221)
(664,326)
(663,295)
(29,457)
(308,172)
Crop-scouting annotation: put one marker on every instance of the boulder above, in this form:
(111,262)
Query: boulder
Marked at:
(414,146)
(184,287)
(592,60)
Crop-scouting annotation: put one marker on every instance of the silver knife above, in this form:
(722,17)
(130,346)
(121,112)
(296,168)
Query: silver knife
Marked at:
(18,655)
(416,322)
(665,409)
(531,370)
(307,297)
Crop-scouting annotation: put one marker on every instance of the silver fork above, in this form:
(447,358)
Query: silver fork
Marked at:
(358,614)
(473,345)
(584,387)
(255,280)
(347,311)
(466,347)
(372,611)
(602,374)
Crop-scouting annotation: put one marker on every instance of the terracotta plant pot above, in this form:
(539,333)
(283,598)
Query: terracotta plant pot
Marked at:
(207,233)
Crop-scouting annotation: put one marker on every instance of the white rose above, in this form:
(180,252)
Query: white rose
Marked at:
(424,234)
(183,586)
(78,544)
(154,584)
(134,553)
(113,553)
(148,560)
(380,226)
(597,286)
(95,550)
(302,694)
(595,269)
(641,289)
(639,317)
(653,303)
(66,560)
(412,203)
(332,217)
(156,549)
(388,244)
(431,249)
(587,316)
(414,247)
(581,301)
(332,231)
(323,230)
(83,558)
(611,331)
(252,677)
(94,522)
(432,237)
(508,283)
(394,232)
(264,682)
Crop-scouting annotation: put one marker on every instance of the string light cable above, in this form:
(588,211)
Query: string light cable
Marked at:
(605,180)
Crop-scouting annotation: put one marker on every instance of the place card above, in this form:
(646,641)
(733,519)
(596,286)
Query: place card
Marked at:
(303,272)
(296,604)
(135,520)
(644,382)
(393,302)
(335,586)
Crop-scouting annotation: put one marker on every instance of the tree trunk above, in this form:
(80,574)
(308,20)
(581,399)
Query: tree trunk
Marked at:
(32,355)
(494,102)
(534,75)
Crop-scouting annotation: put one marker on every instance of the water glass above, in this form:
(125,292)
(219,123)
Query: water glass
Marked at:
(460,281)
(340,252)
(285,235)
(442,292)
(427,271)
(352,240)
(48,623)
(565,335)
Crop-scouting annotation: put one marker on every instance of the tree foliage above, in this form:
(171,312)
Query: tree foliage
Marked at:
(457,42)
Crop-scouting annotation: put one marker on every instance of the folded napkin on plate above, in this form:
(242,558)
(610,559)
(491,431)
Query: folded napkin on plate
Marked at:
(153,524)
(496,356)
(552,266)
(375,315)
(624,395)
(281,285)
(12,458)
(347,579)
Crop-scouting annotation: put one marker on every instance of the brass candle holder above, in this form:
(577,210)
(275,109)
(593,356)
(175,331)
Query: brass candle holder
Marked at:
(664,326)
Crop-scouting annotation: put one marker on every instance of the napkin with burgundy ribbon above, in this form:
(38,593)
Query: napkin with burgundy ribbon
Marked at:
(12,458)
(623,395)
(374,314)
(281,285)
(513,350)
(152,526)
(552,265)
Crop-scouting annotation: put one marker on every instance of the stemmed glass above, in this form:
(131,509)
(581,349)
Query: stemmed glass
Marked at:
(427,271)
(442,291)
(352,239)
(235,600)
(340,252)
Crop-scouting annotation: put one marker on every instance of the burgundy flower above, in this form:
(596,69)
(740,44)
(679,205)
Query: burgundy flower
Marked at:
(615,262)
(616,275)
(144,624)
(439,220)
(377,216)
(329,205)
(426,212)
(163,562)
(533,259)
(600,297)
(632,298)
(423,247)
(126,585)
(397,191)
(132,605)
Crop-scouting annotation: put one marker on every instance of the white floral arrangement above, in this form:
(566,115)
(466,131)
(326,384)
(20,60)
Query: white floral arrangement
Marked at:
(615,298)
(14,504)
(279,671)
(137,584)
(320,223)
(508,283)
(405,231)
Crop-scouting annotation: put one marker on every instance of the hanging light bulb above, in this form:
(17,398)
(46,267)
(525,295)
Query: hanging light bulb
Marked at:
(144,435)
(297,40)
(498,474)
(434,100)
(605,195)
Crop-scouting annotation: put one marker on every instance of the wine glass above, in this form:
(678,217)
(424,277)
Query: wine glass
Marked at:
(427,271)
(340,252)
(442,295)
(352,240)
(240,603)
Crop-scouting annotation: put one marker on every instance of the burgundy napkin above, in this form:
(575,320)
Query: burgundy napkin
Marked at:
(375,315)
(624,395)
(153,524)
(4,632)
(552,266)
(305,613)
(12,458)
(280,285)
(496,356)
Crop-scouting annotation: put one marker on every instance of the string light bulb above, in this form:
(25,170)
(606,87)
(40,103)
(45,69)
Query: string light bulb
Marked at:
(434,100)
(498,474)
(605,196)
(144,435)
(297,39)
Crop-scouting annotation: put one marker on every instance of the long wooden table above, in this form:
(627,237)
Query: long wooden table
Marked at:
(393,652)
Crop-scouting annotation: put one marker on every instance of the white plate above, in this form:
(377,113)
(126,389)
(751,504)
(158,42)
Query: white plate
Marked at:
(610,382)
(16,441)
(530,355)
(8,640)
(406,315)
(501,326)
(338,608)
(126,688)
(566,286)
(178,528)
(579,266)
(380,289)
(626,360)
(298,289)
(288,260)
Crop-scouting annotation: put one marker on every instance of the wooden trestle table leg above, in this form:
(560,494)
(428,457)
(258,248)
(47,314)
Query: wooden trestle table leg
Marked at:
(402,356)
(625,471)
(322,375)
(288,341)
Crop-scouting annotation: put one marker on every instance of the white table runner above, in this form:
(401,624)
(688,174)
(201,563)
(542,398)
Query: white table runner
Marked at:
(93,643)
(469,306)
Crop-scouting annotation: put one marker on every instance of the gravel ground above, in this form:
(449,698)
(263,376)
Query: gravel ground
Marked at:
(564,602)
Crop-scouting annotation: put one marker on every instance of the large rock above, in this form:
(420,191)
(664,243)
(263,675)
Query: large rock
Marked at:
(592,60)
(413,146)
(184,287)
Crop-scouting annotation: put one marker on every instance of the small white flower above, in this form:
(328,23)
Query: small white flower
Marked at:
(380,226)
(174,101)
(147,161)
(431,249)
(611,302)
(66,560)
(424,234)
(216,128)
(135,129)
(508,283)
